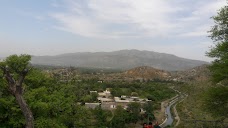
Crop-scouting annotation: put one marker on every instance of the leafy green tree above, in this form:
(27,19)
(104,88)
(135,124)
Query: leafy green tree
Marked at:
(75,116)
(134,110)
(215,100)
(120,118)
(87,98)
(15,68)
(36,78)
(148,107)
(117,92)
(10,112)
(94,96)
(55,105)
(101,117)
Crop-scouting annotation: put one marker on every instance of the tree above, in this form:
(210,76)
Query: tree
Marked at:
(148,107)
(215,99)
(134,109)
(219,34)
(94,96)
(15,68)
(101,117)
(120,118)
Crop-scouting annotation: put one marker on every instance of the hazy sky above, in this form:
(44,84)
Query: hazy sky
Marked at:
(50,27)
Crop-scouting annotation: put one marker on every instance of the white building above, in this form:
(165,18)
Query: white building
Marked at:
(104,94)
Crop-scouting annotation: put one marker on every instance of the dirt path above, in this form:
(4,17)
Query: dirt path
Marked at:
(176,113)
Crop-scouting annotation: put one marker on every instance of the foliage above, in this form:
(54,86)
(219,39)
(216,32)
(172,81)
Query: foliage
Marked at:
(10,113)
(219,34)
(155,91)
(148,107)
(216,100)
(15,68)
(134,111)
(194,106)
(52,104)
(101,117)
(94,96)
(190,108)
(55,103)
(17,63)
(120,118)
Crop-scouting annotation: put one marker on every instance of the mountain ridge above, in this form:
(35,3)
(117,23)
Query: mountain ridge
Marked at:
(122,59)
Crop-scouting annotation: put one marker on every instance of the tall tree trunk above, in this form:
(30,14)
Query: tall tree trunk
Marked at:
(15,69)
(16,89)
(25,110)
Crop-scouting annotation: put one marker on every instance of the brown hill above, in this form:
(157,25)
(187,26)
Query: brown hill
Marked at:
(143,73)
(146,73)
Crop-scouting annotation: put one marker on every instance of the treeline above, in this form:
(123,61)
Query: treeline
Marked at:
(82,70)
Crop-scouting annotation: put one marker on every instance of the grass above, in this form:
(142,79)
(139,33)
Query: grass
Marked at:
(191,107)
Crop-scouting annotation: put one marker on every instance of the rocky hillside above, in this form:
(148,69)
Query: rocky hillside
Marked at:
(143,73)
(123,59)
(146,72)
(199,73)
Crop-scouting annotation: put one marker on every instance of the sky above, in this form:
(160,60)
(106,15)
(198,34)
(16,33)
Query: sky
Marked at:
(52,27)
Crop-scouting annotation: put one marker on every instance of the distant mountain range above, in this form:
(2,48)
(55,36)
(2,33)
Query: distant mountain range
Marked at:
(123,59)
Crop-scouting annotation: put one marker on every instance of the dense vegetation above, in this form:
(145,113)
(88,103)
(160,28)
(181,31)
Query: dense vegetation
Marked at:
(55,103)
(155,91)
(207,102)
(193,107)
(216,101)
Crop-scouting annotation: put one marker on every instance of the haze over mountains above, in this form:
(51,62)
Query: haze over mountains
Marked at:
(123,59)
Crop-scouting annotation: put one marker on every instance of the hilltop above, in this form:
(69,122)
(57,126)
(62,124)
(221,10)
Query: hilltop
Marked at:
(146,73)
(123,59)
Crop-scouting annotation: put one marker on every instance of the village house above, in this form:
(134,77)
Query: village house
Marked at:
(92,105)
(105,94)
(106,101)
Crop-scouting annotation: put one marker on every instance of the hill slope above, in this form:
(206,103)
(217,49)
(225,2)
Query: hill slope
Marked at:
(143,73)
(199,73)
(146,72)
(124,59)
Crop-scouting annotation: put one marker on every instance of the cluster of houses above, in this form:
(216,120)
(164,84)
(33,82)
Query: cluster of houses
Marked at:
(106,101)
